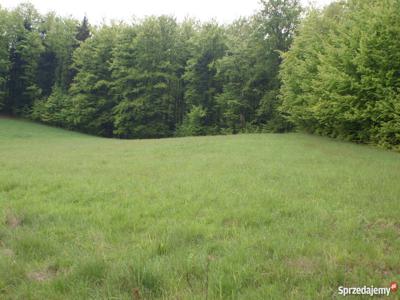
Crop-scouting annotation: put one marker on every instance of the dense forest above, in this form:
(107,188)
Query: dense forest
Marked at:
(332,71)
(341,77)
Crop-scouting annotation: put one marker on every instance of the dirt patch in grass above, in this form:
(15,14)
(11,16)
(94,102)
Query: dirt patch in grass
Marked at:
(7,252)
(303,265)
(13,221)
(43,275)
(136,294)
(384,225)
(231,222)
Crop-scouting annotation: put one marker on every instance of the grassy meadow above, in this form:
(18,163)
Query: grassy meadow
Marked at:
(261,216)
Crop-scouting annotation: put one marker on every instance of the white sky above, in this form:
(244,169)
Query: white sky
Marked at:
(223,11)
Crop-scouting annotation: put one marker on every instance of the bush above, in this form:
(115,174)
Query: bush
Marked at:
(193,124)
(53,109)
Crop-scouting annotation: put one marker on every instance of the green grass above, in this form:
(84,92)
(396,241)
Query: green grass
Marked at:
(263,216)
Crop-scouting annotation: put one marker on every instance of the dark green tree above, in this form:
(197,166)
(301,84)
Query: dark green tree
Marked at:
(83,30)
(202,84)
(274,32)
(25,50)
(58,36)
(146,71)
(92,103)
(237,102)
(5,63)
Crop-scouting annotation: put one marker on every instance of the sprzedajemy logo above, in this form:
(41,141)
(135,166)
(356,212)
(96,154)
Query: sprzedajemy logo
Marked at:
(368,290)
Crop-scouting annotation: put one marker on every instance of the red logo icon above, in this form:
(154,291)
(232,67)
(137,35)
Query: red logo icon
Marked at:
(394,287)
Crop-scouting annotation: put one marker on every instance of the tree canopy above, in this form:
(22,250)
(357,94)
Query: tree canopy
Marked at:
(333,71)
(341,77)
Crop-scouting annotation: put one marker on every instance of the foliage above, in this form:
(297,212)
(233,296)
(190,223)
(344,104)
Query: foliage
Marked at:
(236,102)
(58,37)
(194,122)
(341,77)
(91,101)
(83,30)
(275,29)
(249,70)
(202,84)
(25,48)
(150,79)
(159,78)
(4,54)
(52,110)
(145,72)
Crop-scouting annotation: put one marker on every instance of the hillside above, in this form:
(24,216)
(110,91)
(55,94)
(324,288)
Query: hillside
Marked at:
(266,216)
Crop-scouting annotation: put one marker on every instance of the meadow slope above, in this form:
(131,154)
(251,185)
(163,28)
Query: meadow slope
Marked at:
(262,216)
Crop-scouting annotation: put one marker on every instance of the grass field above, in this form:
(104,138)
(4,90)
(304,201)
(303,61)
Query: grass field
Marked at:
(264,216)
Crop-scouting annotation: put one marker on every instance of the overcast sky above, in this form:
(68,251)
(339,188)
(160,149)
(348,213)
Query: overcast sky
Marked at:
(223,11)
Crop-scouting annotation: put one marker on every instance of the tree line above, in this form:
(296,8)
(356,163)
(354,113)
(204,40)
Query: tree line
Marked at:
(332,71)
(149,79)
(341,77)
